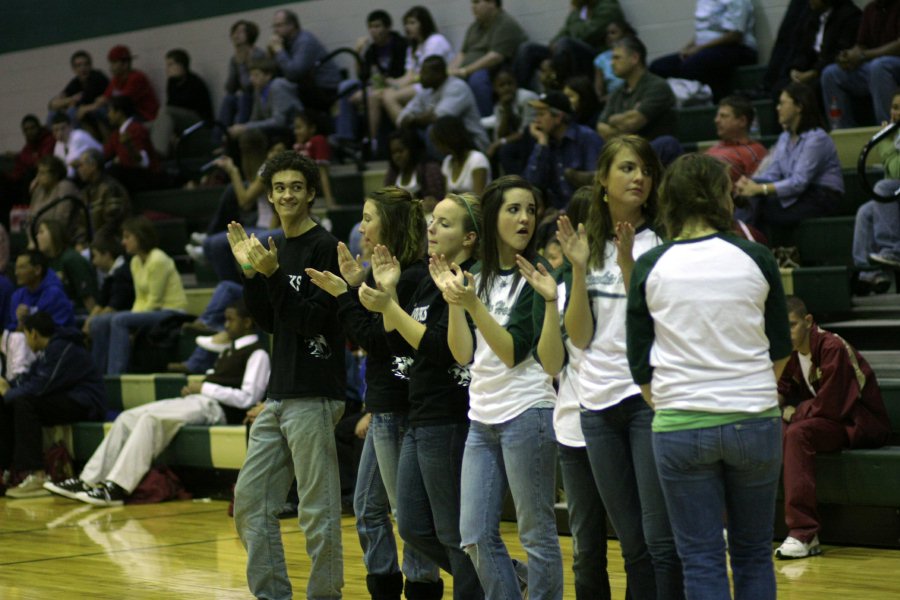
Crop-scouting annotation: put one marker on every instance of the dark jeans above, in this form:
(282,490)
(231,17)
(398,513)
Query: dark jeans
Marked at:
(428,477)
(712,66)
(21,422)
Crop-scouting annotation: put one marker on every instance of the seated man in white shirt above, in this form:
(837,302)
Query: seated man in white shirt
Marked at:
(70,143)
(139,435)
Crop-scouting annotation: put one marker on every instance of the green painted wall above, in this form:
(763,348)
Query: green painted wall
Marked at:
(30,24)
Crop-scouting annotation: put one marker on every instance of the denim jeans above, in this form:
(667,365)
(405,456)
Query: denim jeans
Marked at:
(713,66)
(217,250)
(235,108)
(620,451)
(877,226)
(346,124)
(519,454)
(877,78)
(483,90)
(729,469)
(587,522)
(111,337)
(429,476)
(292,438)
(376,493)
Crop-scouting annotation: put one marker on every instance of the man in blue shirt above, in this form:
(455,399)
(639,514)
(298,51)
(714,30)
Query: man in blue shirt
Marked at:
(565,153)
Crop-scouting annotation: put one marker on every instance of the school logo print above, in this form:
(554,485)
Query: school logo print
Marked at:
(401,365)
(318,347)
(420,313)
(460,375)
(295,281)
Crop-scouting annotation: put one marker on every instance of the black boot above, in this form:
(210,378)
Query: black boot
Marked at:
(424,590)
(385,587)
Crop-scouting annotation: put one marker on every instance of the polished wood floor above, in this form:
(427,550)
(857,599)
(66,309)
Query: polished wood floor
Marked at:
(54,548)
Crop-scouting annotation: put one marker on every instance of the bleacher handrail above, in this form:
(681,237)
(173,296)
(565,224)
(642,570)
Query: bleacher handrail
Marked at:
(861,163)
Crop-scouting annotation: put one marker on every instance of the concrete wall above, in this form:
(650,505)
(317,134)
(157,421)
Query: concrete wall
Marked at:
(30,78)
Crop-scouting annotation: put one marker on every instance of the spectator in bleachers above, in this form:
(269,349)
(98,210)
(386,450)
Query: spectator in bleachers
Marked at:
(70,143)
(61,386)
(158,294)
(128,147)
(409,168)
(443,95)
(464,168)
(140,434)
(491,40)
(383,54)
(423,40)
(211,323)
(39,142)
(871,68)
(565,153)
(187,102)
(50,184)
(582,37)
(128,82)
(605,80)
(645,104)
(803,179)
(238,98)
(297,53)
(510,142)
(74,271)
(87,85)
(876,233)
(830,28)
(309,141)
(735,148)
(107,200)
(275,101)
(585,105)
(830,400)
(117,286)
(723,40)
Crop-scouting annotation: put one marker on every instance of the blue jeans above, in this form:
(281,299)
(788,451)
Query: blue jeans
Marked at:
(429,475)
(292,438)
(217,250)
(877,226)
(346,124)
(111,337)
(587,522)
(620,451)
(877,78)
(235,108)
(376,493)
(731,469)
(483,90)
(519,454)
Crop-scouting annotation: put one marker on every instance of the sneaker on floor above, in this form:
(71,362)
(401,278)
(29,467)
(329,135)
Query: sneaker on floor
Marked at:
(195,252)
(216,343)
(68,488)
(794,548)
(31,487)
(885,258)
(105,494)
(197,238)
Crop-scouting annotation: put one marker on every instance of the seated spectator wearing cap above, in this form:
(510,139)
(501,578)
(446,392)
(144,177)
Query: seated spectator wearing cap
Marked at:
(275,101)
(723,40)
(126,82)
(187,102)
(443,95)
(565,153)
(645,104)
(238,98)
(128,146)
(70,143)
(87,85)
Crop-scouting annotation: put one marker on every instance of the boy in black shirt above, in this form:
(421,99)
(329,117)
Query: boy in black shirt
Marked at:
(294,434)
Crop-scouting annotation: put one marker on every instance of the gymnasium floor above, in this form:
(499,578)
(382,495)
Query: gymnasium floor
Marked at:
(55,548)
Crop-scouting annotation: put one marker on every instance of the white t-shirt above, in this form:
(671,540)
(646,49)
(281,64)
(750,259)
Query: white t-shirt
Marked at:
(79,141)
(463,183)
(411,186)
(605,379)
(435,44)
(805,367)
(567,412)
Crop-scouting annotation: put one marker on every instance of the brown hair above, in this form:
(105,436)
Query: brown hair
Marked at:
(402,223)
(472,223)
(695,186)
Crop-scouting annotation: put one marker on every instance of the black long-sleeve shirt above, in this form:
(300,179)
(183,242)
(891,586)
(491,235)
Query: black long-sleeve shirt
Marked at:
(308,342)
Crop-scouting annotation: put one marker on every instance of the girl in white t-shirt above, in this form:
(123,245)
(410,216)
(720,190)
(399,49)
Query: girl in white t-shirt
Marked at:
(424,40)
(615,419)
(465,169)
(511,441)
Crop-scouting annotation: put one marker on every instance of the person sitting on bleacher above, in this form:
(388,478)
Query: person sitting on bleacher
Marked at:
(39,142)
(187,102)
(70,143)
(876,232)
(50,184)
(61,386)
(803,179)
(78,277)
(134,160)
(140,434)
(735,148)
(275,101)
(117,286)
(238,98)
(107,200)
(830,400)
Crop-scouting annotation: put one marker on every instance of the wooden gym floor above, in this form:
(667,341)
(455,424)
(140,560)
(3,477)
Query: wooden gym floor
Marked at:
(60,549)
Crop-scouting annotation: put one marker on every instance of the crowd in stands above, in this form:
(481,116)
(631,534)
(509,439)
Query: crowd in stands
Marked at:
(523,289)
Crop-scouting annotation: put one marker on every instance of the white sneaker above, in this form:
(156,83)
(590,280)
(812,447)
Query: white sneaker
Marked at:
(210,343)
(31,487)
(197,238)
(794,548)
(195,252)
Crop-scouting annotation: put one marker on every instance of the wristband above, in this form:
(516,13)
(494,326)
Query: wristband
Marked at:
(247,267)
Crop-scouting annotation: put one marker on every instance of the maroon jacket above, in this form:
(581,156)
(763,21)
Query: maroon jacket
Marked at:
(846,390)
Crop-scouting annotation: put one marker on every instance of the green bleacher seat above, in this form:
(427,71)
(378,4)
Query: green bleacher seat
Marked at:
(195,206)
(854,194)
(696,123)
(824,289)
(748,77)
(825,241)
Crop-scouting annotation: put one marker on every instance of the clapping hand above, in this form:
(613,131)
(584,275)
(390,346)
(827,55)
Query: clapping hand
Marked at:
(624,244)
(327,281)
(263,260)
(374,300)
(538,278)
(385,268)
(351,268)
(574,243)
(457,286)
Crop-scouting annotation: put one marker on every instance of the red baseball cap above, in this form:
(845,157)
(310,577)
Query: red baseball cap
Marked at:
(119,53)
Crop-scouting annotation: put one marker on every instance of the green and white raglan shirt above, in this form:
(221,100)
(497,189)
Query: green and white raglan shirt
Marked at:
(498,393)
(706,319)
(604,379)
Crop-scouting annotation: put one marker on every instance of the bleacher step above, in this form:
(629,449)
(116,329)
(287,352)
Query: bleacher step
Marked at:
(885,363)
(868,334)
